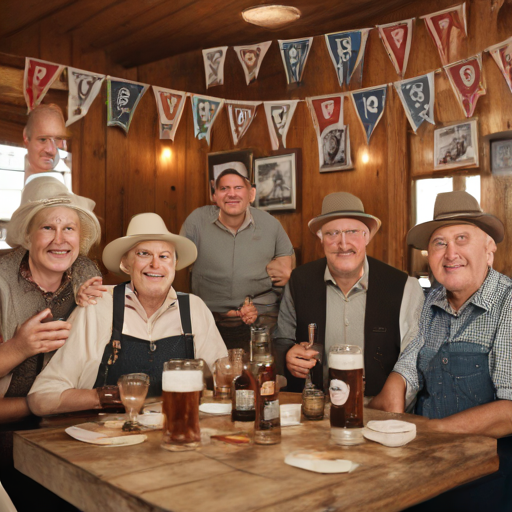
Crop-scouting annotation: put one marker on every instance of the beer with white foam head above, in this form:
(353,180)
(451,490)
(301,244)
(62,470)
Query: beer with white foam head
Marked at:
(182,384)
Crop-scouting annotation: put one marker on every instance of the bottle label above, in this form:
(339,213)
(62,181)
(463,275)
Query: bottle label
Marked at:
(244,400)
(271,410)
(339,392)
(268,387)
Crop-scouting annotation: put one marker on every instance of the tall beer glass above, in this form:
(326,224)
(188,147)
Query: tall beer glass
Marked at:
(346,393)
(182,383)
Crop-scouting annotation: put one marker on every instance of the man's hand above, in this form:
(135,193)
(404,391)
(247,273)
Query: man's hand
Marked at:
(280,269)
(37,336)
(300,360)
(247,313)
(92,288)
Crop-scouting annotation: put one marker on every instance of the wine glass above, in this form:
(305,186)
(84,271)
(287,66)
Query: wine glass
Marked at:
(133,389)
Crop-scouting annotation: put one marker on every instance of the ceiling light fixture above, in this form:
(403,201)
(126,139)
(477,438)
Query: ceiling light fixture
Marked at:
(271,16)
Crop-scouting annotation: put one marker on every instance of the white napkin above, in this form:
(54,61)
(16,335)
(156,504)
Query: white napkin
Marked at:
(317,462)
(87,436)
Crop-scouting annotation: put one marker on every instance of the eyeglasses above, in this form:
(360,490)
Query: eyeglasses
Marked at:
(350,235)
(57,142)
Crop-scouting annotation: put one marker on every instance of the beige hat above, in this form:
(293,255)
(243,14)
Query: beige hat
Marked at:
(48,192)
(457,207)
(239,168)
(146,227)
(342,205)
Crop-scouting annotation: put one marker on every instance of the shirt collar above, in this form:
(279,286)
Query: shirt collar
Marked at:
(248,220)
(362,284)
(132,301)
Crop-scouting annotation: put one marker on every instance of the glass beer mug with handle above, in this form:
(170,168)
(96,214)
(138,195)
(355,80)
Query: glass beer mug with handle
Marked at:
(346,394)
(182,384)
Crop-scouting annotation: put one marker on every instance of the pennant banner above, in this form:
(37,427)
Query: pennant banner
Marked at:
(170,104)
(123,96)
(38,78)
(251,58)
(466,79)
(214,65)
(83,87)
(502,55)
(332,135)
(347,52)
(294,53)
(205,110)
(417,97)
(279,116)
(241,115)
(369,104)
(447,29)
(396,38)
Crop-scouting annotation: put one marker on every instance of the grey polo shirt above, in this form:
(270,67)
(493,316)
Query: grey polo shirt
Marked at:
(230,265)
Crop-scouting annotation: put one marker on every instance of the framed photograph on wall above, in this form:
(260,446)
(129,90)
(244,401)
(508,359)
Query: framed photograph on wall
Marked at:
(501,157)
(218,162)
(456,146)
(276,181)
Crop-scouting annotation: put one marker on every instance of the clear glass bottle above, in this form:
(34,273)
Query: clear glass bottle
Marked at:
(244,393)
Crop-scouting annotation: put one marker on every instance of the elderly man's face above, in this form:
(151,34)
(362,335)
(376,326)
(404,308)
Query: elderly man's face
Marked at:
(233,195)
(459,256)
(46,134)
(344,242)
(54,240)
(152,266)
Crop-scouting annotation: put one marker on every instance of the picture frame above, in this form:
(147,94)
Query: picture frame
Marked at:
(501,157)
(456,146)
(276,178)
(221,160)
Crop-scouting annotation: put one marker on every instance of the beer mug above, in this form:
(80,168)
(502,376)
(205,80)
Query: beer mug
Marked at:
(346,393)
(182,383)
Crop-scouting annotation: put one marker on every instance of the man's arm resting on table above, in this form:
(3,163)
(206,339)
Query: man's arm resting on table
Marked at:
(70,400)
(392,396)
(492,420)
(13,409)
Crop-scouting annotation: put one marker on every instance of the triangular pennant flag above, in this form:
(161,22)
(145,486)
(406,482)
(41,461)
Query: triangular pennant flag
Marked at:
(294,53)
(205,110)
(251,58)
(170,104)
(83,87)
(417,97)
(370,104)
(38,78)
(347,52)
(332,135)
(502,55)
(214,65)
(466,79)
(279,116)
(440,26)
(123,96)
(241,115)
(396,38)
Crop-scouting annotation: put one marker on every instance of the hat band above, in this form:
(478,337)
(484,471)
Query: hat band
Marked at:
(451,215)
(53,200)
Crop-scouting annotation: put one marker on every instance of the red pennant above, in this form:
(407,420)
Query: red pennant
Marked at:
(39,76)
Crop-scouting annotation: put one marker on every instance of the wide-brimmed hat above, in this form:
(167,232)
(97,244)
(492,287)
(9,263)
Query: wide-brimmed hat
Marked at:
(342,205)
(47,192)
(457,207)
(146,227)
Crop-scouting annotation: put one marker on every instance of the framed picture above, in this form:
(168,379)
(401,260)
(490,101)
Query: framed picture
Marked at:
(456,146)
(218,162)
(501,157)
(276,181)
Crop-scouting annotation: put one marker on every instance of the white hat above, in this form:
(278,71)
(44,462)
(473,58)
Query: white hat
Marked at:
(146,227)
(235,167)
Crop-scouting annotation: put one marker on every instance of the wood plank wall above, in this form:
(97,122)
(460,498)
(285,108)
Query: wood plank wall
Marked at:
(126,175)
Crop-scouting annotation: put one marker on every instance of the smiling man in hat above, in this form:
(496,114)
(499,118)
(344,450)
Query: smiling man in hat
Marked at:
(242,251)
(136,328)
(459,367)
(354,299)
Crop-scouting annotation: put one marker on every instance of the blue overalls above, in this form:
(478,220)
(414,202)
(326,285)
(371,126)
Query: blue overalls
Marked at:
(127,354)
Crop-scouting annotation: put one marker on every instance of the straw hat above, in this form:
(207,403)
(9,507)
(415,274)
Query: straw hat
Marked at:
(146,227)
(457,207)
(46,192)
(342,205)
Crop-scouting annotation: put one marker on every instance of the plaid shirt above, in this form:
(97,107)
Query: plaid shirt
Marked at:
(485,319)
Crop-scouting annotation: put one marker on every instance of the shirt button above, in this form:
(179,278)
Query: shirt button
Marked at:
(346,321)
(445,360)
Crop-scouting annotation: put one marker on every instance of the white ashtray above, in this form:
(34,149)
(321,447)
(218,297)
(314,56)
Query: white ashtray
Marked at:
(216,408)
(151,419)
(392,433)
(290,414)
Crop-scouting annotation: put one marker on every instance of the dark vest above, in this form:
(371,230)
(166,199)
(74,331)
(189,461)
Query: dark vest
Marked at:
(382,318)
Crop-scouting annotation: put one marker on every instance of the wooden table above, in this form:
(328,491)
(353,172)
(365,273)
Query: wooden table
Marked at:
(221,477)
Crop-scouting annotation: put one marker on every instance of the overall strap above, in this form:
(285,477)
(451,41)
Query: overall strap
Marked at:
(186,323)
(118,316)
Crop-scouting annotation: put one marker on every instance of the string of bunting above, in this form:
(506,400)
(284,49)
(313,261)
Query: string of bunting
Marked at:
(346,50)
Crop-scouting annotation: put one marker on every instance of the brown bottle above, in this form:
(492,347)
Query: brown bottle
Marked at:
(244,393)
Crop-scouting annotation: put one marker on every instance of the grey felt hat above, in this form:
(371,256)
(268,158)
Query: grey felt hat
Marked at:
(457,207)
(342,205)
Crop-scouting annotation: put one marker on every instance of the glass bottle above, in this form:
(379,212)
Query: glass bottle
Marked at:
(245,391)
